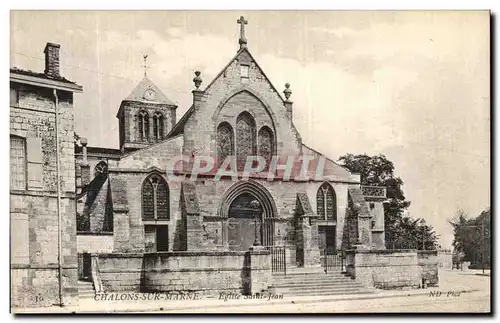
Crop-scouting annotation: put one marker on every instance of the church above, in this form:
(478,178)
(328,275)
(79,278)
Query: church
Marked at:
(226,198)
(136,200)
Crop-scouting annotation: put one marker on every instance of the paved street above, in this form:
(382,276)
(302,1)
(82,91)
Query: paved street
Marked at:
(467,302)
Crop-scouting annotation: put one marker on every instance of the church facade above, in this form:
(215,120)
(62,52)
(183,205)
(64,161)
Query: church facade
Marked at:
(198,203)
(184,186)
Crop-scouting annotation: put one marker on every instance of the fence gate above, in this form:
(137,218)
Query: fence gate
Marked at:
(278,259)
(333,260)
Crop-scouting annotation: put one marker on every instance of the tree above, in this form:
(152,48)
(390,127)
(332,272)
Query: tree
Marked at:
(469,238)
(401,231)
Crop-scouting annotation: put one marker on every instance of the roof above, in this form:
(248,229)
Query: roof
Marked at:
(41,75)
(137,93)
(330,168)
(43,80)
(240,51)
(179,126)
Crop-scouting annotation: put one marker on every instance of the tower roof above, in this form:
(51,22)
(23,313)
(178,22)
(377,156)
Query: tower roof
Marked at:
(155,95)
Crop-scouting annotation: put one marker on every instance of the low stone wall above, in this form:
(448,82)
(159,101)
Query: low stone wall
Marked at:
(428,261)
(384,268)
(445,259)
(120,271)
(205,272)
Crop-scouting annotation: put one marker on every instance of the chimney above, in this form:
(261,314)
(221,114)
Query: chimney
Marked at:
(52,60)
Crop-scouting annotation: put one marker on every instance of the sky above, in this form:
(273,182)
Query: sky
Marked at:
(414,86)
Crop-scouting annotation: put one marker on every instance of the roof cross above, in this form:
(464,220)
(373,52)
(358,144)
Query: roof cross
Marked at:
(243,40)
(145,65)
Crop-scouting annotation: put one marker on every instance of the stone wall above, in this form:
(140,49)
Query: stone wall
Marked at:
(120,271)
(384,268)
(445,260)
(127,118)
(204,272)
(199,130)
(33,210)
(429,263)
(125,185)
(94,243)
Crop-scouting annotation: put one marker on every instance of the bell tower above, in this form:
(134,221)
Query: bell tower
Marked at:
(146,116)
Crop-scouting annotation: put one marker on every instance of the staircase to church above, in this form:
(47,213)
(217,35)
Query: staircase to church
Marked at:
(314,282)
(85,289)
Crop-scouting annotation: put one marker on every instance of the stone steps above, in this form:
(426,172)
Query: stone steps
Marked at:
(319,284)
(85,289)
(316,282)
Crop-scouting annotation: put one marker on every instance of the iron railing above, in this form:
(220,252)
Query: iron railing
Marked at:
(374,191)
(278,259)
(333,260)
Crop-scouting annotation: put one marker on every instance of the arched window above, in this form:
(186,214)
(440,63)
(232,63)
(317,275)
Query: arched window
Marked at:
(155,198)
(266,145)
(158,122)
(143,125)
(326,202)
(225,142)
(245,138)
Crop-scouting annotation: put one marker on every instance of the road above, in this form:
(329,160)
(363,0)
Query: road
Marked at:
(466,302)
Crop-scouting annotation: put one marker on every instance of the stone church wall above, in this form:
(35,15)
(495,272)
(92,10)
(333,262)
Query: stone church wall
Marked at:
(200,129)
(284,194)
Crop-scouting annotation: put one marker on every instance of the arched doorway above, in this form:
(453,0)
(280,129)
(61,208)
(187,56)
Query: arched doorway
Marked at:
(249,211)
(244,222)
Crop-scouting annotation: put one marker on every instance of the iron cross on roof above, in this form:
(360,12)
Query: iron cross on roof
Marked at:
(243,40)
(145,65)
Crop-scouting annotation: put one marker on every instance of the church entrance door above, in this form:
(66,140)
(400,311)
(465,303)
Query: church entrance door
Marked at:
(326,239)
(244,223)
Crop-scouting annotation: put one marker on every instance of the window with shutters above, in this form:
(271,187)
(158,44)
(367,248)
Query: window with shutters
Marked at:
(326,202)
(35,162)
(17,163)
(14,96)
(155,198)
(244,73)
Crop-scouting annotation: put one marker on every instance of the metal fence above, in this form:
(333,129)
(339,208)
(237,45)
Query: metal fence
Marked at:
(278,259)
(333,260)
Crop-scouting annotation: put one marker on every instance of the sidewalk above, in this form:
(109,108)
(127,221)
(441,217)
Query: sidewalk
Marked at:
(461,282)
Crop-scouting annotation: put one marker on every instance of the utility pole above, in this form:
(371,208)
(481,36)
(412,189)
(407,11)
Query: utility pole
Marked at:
(482,244)
(423,238)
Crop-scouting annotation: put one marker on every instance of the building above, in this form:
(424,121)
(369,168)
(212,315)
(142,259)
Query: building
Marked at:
(174,207)
(149,195)
(42,213)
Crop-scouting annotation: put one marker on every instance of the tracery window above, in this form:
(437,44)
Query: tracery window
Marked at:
(143,125)
(326,202)
(245,139)
(225,142)
(155,198)
(158,122)
(266,145)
